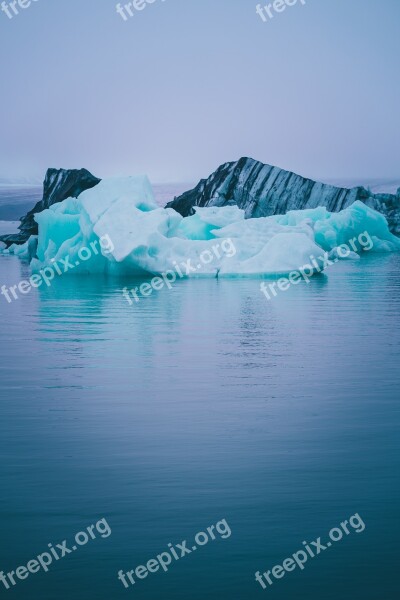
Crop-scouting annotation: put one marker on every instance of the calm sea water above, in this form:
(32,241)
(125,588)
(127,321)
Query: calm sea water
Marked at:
(201,403)
(16,200)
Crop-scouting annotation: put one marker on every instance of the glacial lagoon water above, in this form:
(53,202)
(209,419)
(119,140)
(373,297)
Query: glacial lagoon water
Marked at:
(202,403)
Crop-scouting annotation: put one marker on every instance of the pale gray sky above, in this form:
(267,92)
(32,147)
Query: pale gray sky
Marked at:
(185,85)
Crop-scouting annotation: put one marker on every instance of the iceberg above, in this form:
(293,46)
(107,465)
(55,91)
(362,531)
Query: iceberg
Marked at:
(116,228)
(264,190)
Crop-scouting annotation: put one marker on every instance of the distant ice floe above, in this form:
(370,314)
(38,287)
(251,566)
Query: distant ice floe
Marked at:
(147,239)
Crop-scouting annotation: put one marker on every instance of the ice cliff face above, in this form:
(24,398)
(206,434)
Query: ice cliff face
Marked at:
(262,190)
(58,185)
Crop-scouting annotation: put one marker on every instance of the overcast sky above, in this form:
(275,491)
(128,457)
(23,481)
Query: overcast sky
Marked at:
(186,85)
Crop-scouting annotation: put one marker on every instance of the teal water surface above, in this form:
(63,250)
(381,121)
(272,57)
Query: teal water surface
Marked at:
(202,403)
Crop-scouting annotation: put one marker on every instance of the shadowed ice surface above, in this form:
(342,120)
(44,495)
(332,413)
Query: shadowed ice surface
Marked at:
(194,405)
